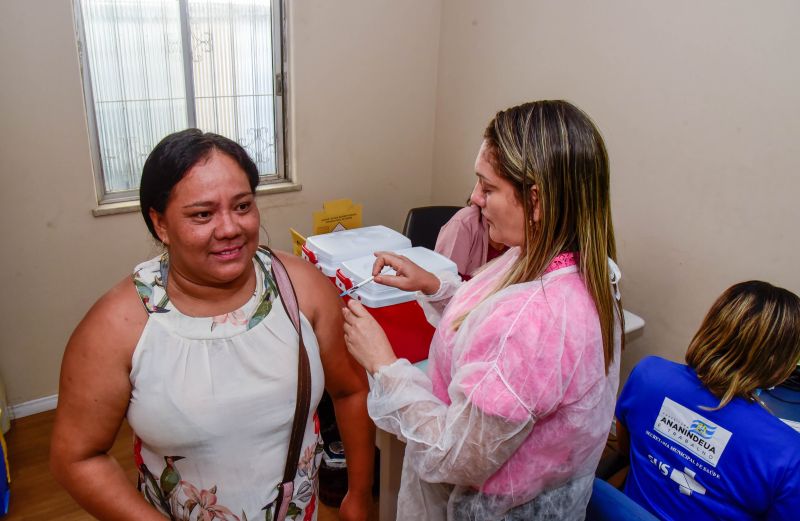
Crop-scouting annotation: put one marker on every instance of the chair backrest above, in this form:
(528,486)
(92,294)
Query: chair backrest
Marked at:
(423,224)
(609,504)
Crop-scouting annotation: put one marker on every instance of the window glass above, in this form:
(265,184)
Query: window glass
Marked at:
(152,67)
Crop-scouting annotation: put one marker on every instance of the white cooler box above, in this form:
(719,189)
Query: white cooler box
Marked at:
(396,310)
(329,250)
(376,295)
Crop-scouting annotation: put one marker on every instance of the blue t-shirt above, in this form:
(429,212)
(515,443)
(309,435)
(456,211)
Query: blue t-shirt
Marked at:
(739,462)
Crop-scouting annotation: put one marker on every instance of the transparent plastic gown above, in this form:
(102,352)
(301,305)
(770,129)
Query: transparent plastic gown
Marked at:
(512,417)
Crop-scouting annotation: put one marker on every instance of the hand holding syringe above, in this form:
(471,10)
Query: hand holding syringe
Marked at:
(397,271)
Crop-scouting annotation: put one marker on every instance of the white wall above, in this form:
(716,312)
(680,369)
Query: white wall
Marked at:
(699,103)
(363,91)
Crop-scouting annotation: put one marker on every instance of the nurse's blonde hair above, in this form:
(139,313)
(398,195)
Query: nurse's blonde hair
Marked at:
(750,339)
(555,147)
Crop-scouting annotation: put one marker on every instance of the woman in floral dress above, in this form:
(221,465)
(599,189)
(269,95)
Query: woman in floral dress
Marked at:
(197,351)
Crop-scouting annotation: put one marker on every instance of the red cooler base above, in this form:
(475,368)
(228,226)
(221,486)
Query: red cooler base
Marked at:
(407,329)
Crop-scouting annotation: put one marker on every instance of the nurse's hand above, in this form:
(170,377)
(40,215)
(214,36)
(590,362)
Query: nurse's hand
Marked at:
(365,338)
(408,276)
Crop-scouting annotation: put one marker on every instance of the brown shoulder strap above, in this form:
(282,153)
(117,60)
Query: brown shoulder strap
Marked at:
(303,403)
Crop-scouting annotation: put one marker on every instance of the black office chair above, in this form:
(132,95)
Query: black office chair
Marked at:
(423,224)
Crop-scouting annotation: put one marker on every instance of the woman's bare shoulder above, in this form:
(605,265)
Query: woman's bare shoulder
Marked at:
(303,273)
(121,303)
(116,320)
(297,266)
(314,291)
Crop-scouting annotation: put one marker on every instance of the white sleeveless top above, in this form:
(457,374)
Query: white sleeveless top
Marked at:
(213,402)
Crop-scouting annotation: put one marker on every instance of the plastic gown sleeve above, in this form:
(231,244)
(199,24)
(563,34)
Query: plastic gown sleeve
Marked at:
(458,444)
(433,305)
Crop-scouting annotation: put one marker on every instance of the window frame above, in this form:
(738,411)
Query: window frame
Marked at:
(281,181)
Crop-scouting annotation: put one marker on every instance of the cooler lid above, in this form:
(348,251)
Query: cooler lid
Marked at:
(331,249)
(376,295)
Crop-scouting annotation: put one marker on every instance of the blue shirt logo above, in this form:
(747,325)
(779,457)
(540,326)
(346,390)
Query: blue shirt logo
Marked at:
(703,429)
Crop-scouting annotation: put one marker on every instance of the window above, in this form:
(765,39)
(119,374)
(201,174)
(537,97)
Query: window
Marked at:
(153,67)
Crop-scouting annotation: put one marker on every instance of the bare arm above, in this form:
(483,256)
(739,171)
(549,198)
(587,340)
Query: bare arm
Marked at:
(345,381)
(93,398)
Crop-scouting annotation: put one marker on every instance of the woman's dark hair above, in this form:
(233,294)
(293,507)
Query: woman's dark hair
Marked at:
(175,155)
(750,339)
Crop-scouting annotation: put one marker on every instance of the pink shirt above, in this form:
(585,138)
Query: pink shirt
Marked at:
(464,239)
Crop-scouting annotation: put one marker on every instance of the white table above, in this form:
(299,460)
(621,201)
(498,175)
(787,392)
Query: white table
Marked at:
(392,449)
